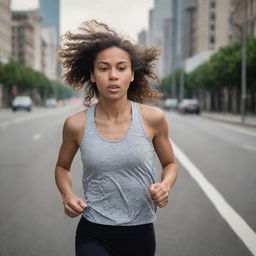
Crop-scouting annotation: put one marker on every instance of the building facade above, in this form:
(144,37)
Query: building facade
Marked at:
(5,31)
(26,42)
(244,14)
(49,52)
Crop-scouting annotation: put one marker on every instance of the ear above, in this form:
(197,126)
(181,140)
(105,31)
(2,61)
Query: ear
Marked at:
(132,78)
(92,78)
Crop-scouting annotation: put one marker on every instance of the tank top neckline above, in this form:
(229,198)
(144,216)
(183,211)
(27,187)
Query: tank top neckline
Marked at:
(124,136)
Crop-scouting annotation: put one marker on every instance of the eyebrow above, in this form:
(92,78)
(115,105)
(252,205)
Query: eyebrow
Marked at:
(107,63)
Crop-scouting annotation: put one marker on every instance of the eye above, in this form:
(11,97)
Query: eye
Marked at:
(122,68)
(103,68)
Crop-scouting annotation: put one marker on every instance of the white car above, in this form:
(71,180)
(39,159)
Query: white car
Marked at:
(22,102)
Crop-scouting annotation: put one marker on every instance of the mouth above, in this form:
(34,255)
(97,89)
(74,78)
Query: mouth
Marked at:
(113,86)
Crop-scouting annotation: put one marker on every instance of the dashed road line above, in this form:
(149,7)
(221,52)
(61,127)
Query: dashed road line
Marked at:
(37,136)
(234,220)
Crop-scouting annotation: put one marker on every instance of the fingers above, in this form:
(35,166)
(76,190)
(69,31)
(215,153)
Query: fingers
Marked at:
(74,207)
(159,194)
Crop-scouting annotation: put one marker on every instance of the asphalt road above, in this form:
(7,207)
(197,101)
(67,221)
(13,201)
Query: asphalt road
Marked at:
(32,220)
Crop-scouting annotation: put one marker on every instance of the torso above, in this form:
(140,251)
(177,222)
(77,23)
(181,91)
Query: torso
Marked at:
(117,130)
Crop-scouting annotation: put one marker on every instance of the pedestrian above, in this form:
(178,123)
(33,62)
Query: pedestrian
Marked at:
(118,137)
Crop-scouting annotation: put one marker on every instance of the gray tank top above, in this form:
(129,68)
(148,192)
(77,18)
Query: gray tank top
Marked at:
(117,174)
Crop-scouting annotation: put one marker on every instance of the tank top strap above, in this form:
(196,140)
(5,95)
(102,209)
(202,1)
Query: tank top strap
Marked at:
(88,128)
(137,121)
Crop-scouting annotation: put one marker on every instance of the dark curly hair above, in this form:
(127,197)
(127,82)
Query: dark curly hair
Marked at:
(79,50)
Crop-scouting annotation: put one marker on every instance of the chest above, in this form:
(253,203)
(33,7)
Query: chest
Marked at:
(116,130)
(113,130)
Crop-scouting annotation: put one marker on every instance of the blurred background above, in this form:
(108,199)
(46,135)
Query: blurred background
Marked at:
(207,73)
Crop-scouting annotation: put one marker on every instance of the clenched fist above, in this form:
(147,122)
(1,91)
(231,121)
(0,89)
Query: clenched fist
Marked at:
(73,206)
(159,194)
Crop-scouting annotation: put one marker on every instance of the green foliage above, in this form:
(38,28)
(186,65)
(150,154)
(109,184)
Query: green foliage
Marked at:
(26,79)
(222,70)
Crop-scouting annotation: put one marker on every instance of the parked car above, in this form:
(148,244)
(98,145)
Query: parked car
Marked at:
(170,104)
(50,103)
(22,102)
(189,106)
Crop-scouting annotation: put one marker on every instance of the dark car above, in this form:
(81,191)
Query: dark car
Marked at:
(22,102)
(189,106)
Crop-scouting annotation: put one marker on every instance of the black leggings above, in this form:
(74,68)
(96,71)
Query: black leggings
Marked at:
(103,240)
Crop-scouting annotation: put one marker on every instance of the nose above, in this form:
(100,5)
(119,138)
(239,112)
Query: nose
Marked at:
(113,74)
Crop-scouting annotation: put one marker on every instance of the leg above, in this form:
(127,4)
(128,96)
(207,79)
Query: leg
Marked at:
(90,249)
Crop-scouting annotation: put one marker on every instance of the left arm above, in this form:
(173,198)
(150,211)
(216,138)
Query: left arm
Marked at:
(160,191)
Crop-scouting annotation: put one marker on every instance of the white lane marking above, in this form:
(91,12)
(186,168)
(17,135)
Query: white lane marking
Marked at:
(4,124)
(237,129)
(37,136)
(234,220)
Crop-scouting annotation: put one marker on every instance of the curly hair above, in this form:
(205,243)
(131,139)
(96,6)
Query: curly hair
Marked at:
(79,51)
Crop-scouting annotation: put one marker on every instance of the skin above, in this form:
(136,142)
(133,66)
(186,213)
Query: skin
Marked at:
(113,116)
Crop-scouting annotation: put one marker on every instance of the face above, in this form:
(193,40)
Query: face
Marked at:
(112,73)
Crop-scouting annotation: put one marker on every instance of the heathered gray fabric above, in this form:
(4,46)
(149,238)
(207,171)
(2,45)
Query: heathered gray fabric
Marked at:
(117,174)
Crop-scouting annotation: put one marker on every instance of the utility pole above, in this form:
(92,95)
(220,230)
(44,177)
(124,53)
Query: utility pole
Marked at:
(244,78)
(242,28)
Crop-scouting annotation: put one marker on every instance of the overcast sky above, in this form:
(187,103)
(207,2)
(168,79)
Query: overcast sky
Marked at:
(126,16)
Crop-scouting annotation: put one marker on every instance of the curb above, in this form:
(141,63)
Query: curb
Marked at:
(228,121)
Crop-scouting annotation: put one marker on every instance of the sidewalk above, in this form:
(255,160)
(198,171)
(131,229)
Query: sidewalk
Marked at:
(250,120)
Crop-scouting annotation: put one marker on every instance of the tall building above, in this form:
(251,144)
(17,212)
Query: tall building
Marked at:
(211,29)
(49,54)
(5,31)
(24,37)
(142,37)
(161,11)
(50,11)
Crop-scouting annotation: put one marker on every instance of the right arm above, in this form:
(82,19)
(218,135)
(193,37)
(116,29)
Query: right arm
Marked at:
(73,205)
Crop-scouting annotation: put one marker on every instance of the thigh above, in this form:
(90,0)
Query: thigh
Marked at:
(92,239)
(136,242)
(90,249)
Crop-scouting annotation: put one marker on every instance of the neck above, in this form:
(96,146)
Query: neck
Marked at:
(113,109)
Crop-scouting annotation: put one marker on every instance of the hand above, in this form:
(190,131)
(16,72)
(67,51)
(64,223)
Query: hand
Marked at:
(159,194)
(73,206)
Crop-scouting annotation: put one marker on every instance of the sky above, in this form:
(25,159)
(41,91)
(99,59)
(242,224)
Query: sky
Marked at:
(126,16)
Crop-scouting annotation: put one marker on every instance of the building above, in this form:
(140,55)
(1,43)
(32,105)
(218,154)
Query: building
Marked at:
(142,37)
(213,28)
(157,16)
(50,11)
(26,42)
(210,29)
(244,14)
(49,52)
(5,31)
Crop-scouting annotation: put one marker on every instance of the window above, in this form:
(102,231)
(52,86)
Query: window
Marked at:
(212,16)
(212,39)
(213,4)
(212,27)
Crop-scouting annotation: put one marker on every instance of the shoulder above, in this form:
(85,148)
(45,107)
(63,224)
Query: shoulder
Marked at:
(152,115)
(74,124)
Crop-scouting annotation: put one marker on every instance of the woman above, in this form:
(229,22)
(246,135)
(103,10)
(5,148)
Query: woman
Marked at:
(117,138)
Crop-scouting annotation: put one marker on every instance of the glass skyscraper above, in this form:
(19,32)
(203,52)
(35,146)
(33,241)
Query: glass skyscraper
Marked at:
(50,11)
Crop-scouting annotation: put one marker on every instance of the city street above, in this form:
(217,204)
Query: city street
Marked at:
(195,223)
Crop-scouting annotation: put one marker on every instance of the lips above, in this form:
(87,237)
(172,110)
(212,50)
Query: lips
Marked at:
(113,86)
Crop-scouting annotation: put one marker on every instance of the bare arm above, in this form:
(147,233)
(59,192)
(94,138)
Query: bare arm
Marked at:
(163,147)
(73,206)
